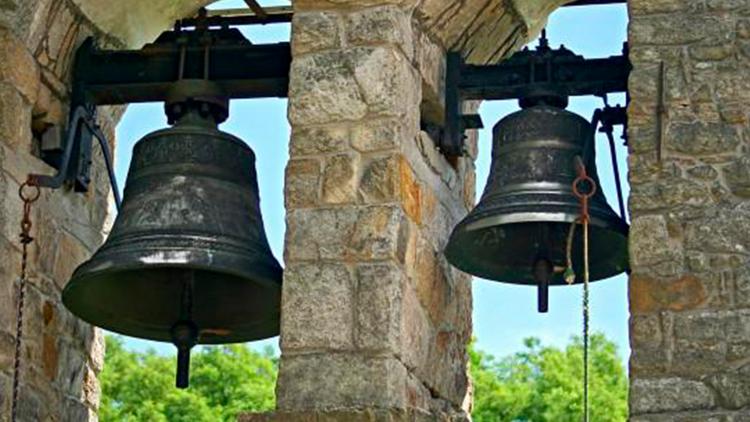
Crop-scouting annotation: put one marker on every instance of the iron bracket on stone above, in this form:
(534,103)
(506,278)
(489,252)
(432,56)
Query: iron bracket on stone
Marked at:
(543,68)
(111,77)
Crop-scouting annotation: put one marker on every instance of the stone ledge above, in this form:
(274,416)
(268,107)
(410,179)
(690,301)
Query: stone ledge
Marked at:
(352,415)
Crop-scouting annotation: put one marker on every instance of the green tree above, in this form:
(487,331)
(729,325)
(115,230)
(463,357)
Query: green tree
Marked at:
(224,381)
(545,383)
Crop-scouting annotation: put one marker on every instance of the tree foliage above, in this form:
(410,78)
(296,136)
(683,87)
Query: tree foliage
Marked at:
(545,383)
(537,384)
(224,381)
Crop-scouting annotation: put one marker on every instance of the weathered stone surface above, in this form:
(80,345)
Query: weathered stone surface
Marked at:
(315,31)
(377,135)
(648,236)
(669,394)
(387,24)
(363,415)
(302,183)
(18,67)
(651,295)
(15,117)
(737,176)
(317,307)
(724,232)
(375,232)
(321,381)
(733,390)
(380,179)
(379,307)
(339,179)
(346,85)
(319,140)
(702,138)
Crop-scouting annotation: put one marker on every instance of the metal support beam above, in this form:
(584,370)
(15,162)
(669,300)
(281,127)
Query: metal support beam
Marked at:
(241,69)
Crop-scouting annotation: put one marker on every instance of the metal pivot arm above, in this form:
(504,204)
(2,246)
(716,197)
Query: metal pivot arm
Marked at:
(76,166)
(558,70)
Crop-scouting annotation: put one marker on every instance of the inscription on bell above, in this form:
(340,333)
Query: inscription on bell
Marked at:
(490,237)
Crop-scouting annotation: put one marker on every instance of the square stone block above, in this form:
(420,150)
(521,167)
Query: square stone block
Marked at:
(340,380)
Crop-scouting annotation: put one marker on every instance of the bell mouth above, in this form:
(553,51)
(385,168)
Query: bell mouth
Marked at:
(146,302)
(505,249)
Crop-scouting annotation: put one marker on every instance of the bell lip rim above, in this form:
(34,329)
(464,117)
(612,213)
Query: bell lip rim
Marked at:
(166,339)
(76,280)
(266,281)
(450,253)
(619,225)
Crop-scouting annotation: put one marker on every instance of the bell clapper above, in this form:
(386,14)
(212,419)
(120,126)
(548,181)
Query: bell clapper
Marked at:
(543,271)
(185,333)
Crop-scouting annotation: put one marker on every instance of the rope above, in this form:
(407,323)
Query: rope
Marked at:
(26,239)
(583,180)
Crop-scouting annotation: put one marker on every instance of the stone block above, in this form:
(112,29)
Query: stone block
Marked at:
(340,380)
(681,28)
(70,254)
(338,86)
(323,89)
(317,307)
(18,67)
(96,351)
(319,140)
(723,232)
(362,233)
(315,234)
(315,31)
(699,138)
(379,307)
(302,185)
(737,176)
(697,357)
(339,179)
(417,335)
(380,181)
(387,24)
(648,237)
(701,325)
(645,330)
(669,394)
(15,118)
(432,286)
(430,58)
(378,135)
(648,294)
(411,192)
(380,232)
(732,389)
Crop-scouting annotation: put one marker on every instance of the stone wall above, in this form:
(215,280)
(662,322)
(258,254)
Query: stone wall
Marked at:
(61,355)
(690,237)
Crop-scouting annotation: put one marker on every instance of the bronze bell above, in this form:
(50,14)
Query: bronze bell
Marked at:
(518,231)
(187,260)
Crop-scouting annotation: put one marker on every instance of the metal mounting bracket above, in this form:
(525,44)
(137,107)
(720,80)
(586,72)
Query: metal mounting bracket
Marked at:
(527,71)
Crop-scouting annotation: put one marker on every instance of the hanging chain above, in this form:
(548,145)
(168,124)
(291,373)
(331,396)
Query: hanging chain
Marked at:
(28,198)
(584,188)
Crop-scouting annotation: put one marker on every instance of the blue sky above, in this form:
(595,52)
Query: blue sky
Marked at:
(504,314)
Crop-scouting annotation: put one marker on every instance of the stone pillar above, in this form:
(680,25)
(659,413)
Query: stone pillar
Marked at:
(690,237)
(61,355)
(375,323)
